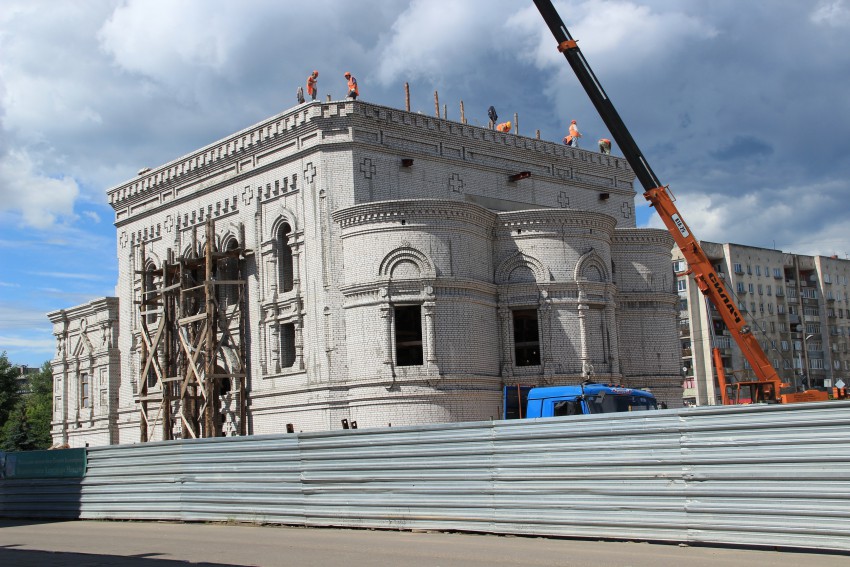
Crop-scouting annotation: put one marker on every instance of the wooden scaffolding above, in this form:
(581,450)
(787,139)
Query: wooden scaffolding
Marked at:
(192,342)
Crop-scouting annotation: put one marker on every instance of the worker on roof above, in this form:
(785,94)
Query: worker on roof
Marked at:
(312,88)
(299,94)
(604,146)
(353,91)
(504,127)
(572,138)
(491,114)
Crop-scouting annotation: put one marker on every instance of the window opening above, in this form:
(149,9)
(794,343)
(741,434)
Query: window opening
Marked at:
(85,399)
(408,335)
(287,345)
(285,274)
(526,337)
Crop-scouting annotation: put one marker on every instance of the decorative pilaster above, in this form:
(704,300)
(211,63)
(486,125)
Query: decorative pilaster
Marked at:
(586,367)
(387,316)
(545,318)
(506,323)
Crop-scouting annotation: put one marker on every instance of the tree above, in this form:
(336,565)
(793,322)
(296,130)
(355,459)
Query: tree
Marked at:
(9,395)
(25,420)
(40,406)
(17,433)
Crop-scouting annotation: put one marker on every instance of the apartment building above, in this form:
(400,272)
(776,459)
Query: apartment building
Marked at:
(798,306)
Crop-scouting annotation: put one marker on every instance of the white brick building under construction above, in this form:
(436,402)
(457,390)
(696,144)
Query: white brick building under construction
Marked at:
(347,261)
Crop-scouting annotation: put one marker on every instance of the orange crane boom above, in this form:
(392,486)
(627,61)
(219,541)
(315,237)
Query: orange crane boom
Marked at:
(768,385)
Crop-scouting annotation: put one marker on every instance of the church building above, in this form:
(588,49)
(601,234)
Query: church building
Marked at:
(344,264)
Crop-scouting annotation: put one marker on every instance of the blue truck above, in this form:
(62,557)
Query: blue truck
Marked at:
(554,401)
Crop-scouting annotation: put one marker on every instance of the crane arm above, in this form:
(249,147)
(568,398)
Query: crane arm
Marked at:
(707,279)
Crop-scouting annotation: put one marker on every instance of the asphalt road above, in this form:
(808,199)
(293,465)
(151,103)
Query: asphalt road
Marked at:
(158,544)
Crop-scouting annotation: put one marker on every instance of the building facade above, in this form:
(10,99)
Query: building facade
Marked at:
(384,268)
(798,305)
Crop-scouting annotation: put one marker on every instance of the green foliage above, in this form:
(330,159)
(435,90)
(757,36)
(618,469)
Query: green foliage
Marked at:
(25,420)
(9,396)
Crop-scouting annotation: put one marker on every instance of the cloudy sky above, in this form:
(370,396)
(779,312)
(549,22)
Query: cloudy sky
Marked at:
(742,107)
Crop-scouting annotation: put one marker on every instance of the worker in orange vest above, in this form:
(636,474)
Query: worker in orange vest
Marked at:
(312,88)
(572,139)
(353,91)
(504,127)
(604,146)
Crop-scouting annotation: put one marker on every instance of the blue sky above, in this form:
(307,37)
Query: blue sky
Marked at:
(741,107)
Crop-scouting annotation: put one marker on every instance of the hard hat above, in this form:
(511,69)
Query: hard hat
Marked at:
(316,73)
(508,123)
(573,122)
(347,74)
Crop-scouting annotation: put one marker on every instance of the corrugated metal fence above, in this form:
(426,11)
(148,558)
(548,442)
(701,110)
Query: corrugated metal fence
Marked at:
(756,475)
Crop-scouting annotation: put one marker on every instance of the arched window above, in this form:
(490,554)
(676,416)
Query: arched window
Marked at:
(149,298)
(284,260)
(228,270)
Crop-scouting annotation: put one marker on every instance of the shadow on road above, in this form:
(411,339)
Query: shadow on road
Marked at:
(37,558)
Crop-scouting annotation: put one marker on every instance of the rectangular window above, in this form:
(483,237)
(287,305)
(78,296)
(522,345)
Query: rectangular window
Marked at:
(679,266)
(766,272)
(813,328)
(777,273)
(786,364)
(737,268)
(408,335)
(526,337)
(751,288)
(761,307)
(287,345)
(784,345)
(761,290)
(682,285)
(770,308)
(749,269)
(758,270)
(816,363)
(827,278)
(741,288)
(85,399)
(752,307)
(779,291)
(783,328)
(769,290)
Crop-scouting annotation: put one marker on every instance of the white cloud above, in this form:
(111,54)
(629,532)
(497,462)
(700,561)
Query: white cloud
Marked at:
(437,39)
(192,38)
(24,343)
(833,13)
(619,33)
(40,198)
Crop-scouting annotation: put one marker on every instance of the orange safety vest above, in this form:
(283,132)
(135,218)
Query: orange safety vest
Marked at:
(574,131)
(352,85)
(504,127)
(311,85)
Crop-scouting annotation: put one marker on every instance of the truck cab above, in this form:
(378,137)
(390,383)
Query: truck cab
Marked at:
(555,401)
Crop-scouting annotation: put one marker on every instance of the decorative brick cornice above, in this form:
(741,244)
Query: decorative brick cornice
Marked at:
(413,211)
(643,237)
(302,128)
(555,219)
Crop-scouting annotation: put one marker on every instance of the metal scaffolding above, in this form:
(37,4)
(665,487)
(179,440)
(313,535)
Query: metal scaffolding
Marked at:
(192,342)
